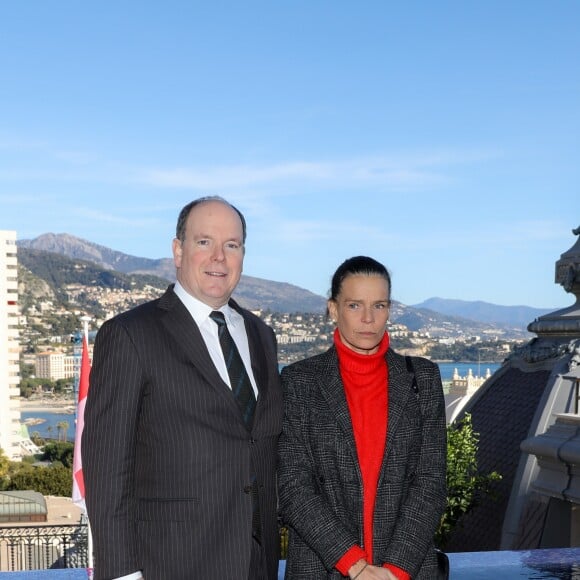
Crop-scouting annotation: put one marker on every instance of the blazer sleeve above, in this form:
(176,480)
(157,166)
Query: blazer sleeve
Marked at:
(108,449)
(302,504)
(424,502)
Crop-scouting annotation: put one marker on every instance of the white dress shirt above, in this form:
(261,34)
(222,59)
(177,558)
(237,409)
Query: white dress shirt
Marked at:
(209,331)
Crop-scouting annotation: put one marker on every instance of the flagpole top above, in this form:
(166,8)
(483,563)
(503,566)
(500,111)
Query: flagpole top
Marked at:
(85,320)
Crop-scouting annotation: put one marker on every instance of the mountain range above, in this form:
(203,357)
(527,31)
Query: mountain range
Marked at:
(436,315)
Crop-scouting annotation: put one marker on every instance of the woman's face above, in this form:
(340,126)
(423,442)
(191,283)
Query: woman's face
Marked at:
(361,311)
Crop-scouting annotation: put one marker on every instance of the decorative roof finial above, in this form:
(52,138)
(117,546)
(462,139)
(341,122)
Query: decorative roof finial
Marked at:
(564,323)
(568,267)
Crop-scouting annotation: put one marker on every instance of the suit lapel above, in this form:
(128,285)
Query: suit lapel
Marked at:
(333,391)
(400,388)
(257,357)
(181,326)
(258,360)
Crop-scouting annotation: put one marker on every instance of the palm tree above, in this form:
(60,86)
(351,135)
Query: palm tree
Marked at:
(35,438)
(62,427)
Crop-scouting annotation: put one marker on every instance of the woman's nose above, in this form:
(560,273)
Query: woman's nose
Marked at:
(368,315)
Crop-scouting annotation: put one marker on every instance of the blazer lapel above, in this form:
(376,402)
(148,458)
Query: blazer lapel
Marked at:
(333,391)
(257,357)
(259,362)
(181,326)
(400,388)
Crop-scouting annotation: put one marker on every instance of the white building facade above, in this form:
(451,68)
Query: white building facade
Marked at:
(55,366)
(9,348)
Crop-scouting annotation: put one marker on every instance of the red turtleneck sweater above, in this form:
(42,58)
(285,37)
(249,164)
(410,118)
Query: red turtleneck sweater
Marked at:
(365,380)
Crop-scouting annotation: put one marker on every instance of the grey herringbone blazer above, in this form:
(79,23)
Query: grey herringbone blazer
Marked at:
(319,476)
(167,456)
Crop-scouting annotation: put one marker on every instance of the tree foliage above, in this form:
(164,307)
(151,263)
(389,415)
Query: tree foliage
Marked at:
(36,438)
(4,468)
(52,480)
(464,484)
(62,427)
(59,451)
(29,386)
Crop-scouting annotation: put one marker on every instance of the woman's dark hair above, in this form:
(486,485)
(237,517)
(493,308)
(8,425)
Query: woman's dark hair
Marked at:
(184,214)
(358,265)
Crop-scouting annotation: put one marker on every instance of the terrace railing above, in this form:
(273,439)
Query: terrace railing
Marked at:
(25,548)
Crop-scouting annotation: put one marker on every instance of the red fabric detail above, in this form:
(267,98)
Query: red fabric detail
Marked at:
(78,487)
(365,379)
(351,557)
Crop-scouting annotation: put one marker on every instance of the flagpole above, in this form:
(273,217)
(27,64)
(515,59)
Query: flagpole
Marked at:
(85,320)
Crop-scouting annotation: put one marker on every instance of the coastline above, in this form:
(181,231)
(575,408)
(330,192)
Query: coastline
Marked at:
(62,406)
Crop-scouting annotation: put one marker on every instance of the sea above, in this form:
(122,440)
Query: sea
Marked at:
(50,420)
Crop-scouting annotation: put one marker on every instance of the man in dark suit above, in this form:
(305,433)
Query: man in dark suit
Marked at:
(179,464)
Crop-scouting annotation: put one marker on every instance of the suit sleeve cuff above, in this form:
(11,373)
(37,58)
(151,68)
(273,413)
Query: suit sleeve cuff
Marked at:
(399,574)
(352,556)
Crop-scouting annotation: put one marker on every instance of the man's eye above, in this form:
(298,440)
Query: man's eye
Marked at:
(202,242)
(233,246)
(352,305)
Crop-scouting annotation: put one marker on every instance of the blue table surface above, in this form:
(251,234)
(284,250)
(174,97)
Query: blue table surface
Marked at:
(560,564)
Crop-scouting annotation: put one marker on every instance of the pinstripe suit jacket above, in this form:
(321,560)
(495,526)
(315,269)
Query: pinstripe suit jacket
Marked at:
(167,455)
(320,480)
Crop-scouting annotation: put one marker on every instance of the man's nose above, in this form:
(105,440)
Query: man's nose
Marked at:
(218,253)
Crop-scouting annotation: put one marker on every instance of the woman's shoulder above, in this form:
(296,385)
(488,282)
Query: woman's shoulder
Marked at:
(313,364)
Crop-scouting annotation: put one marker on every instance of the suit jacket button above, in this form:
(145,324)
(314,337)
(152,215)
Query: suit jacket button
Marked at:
(248,489)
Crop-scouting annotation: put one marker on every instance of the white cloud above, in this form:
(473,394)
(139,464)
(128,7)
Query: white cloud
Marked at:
(117,219)
(318,230)
(390,172)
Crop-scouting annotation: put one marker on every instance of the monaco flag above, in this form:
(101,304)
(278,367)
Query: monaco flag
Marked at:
(78,493)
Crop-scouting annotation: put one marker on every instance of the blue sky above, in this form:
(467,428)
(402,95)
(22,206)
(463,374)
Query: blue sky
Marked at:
(442,138)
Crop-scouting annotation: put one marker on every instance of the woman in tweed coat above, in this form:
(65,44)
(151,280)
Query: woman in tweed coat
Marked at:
(363,448)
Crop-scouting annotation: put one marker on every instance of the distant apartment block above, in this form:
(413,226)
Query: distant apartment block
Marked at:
(9,348)
(55,365)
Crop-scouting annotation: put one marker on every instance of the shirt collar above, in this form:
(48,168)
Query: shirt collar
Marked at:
(200,311)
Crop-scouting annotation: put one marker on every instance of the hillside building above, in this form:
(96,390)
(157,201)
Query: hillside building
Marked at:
(55,365)
(469,383)
(9,348)
(460,390)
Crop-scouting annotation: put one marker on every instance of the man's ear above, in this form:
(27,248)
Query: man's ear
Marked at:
(177,252)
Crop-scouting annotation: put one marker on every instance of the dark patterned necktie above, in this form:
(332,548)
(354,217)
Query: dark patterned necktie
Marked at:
(244,393)
(239,379)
